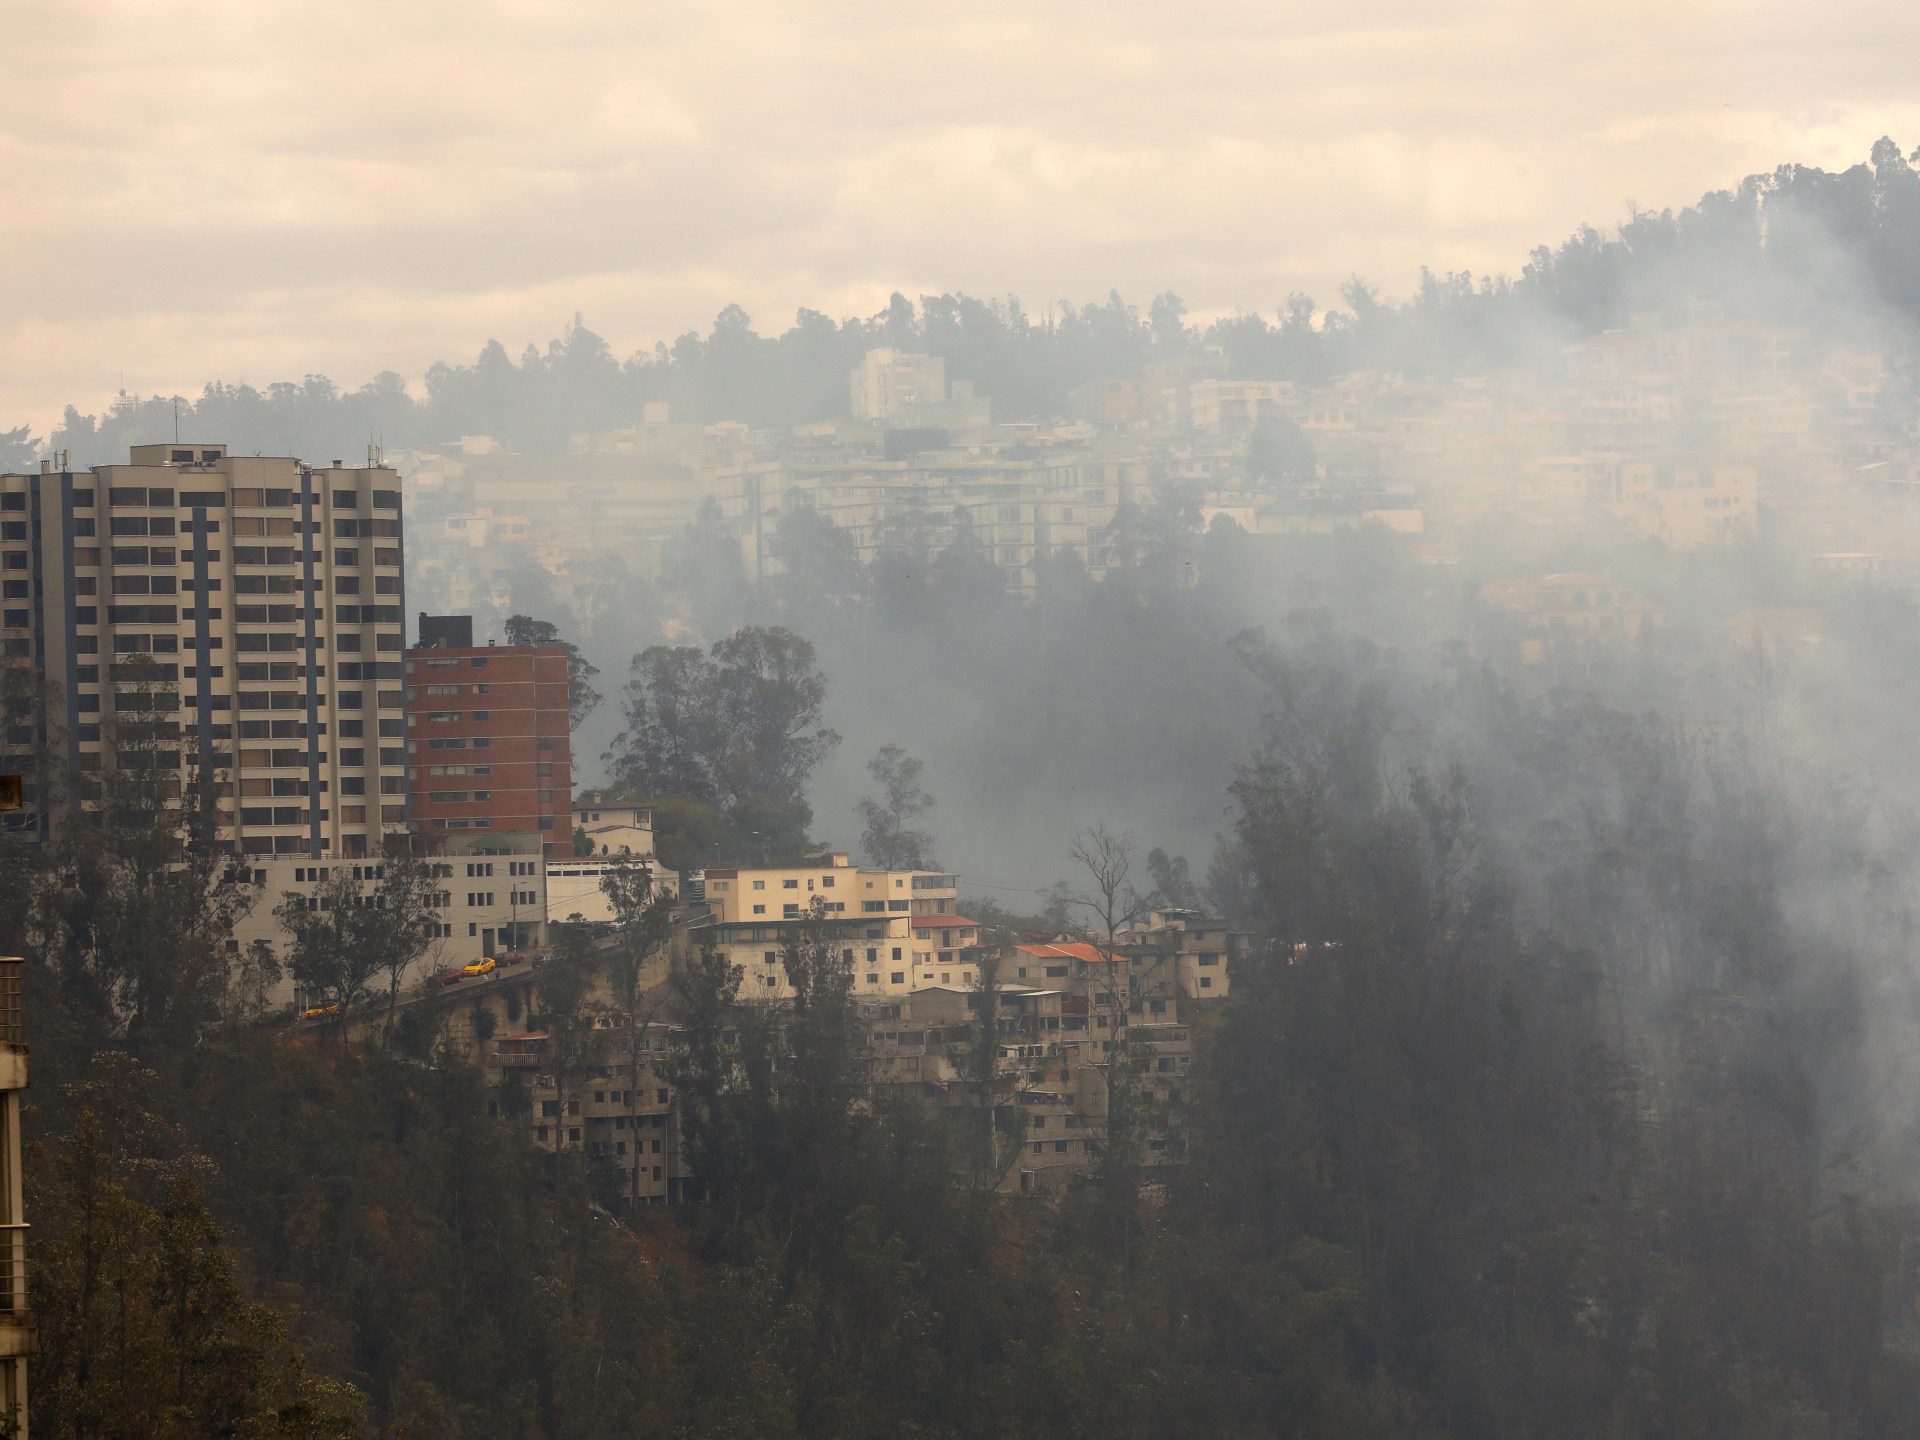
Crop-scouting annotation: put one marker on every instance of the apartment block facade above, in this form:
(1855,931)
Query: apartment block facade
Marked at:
(487,739)
(245,610)
(881,920)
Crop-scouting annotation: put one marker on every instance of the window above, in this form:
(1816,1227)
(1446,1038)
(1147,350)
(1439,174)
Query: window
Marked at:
(898,977)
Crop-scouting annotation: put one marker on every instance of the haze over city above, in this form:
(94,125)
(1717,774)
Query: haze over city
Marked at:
(258,193)
(985,723)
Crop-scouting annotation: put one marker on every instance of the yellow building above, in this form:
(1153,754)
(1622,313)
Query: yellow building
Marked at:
(868,914)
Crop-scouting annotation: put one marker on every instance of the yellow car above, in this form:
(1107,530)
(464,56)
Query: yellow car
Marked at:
(478,967)
(319,1010)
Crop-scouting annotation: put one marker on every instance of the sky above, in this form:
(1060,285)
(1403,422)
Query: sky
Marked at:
(251,192)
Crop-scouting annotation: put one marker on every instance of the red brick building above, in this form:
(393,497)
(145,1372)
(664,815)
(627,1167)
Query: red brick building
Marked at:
(487,736)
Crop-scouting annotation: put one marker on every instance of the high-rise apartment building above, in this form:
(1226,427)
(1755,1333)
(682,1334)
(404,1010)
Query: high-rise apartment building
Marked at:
(488,736)
(245,610)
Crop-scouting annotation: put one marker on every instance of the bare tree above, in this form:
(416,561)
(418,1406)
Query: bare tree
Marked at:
(889,839)
(1109,904)
(987,1150)
(643,926)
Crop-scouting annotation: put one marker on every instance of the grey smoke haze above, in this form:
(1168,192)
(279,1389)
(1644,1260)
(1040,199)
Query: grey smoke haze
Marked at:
(258,192)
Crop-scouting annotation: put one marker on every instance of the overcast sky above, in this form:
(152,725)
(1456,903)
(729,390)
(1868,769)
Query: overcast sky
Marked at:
(251,191)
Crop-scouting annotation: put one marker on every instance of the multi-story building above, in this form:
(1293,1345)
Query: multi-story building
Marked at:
(244,611)
(883,921)
(491,899)
(888,384)
(487,735)
(613,824)
(1571,622)
(1179,950)
(893,388)
(611,1100)
(574,891)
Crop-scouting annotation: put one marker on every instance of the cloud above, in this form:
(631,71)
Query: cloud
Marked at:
(239,190)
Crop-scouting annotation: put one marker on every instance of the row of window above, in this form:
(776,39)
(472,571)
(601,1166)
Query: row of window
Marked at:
(243,497)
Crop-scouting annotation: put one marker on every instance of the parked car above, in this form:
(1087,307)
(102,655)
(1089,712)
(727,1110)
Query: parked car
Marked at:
(482,966)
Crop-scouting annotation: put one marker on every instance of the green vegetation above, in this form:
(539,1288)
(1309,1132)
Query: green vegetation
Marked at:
(733,737)
(1797,246)
(1551,1102)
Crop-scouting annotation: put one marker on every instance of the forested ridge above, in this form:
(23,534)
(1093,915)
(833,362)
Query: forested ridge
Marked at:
(1562,1095)
(1801,246)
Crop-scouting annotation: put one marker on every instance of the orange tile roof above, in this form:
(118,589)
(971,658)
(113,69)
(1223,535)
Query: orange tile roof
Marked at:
(1086,954)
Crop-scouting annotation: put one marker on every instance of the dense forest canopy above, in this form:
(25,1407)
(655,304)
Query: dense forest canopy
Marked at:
(1801,246)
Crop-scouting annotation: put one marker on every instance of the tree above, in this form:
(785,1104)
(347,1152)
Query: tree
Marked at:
(738,730)
(144,1330)
(1173,882)
(402,923)
(704,1070)
(664,750)
(582,698)
(1280,455)
(343,935)
(993,1135)
(324,955)
(132,904)
(643,925)
(18,450)
(820,566)
(767,695)
(576,1038)
(1110,904)
(704,563)
(889,840)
